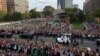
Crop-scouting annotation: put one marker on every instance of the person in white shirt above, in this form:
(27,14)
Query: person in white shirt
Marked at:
(82,54)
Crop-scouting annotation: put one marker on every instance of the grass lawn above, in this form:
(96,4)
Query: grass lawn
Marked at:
(78,26)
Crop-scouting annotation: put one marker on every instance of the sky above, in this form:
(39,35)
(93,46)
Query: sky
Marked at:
(40,4)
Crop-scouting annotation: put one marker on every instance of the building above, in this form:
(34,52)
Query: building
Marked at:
(91,5)
(17,6)
(68,3)
(10,6)
(3,5)
(61,4)
(75,5)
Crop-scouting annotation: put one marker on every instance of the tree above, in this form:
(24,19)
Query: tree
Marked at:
(89,16)
(13,16)
(48,11)
(96,13)
(72,12)
(80,16)
(26,15)
(75,14)
(2,14)
(34,13)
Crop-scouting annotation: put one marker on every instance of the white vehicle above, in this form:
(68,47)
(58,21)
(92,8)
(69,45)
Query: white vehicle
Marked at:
(64,39)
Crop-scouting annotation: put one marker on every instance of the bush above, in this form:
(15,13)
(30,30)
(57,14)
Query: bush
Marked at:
(13,16)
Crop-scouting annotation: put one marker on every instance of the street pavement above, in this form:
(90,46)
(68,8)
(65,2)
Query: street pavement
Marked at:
(86,43)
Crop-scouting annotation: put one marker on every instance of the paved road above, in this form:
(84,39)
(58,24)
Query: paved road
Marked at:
(87,43)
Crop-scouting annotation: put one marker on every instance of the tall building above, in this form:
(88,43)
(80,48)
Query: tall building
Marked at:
(61,4)
(75,5)
(10,6)
(17,6)
(3,5)
(68,3)
(91,5)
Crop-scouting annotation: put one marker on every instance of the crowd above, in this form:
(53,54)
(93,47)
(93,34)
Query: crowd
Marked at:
(22,47)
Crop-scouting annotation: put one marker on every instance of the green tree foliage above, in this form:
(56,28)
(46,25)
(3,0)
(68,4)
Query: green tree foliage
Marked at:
(34,13)
(72,13)
(26,15)
(48,11)
(76,15)
(80,16)
(2,14)
(70,10)
(96,13)
(89,17)
(96,16)
(13,16)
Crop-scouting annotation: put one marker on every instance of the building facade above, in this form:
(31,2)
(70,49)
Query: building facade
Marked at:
(75,5)
(10,6)
(68,3)
(91,5)
(61,4)
(17,6)
(3,5)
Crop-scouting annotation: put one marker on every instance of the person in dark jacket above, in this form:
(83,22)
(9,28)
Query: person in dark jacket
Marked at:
(57,54)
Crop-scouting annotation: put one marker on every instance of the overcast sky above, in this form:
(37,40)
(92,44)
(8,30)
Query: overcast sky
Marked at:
(40,4)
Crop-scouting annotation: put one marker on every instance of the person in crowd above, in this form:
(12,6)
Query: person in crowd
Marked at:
(44,49)
(43,53)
